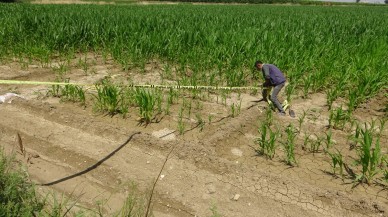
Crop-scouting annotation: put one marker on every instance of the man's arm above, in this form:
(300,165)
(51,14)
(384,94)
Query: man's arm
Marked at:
(267,81)
(266,72)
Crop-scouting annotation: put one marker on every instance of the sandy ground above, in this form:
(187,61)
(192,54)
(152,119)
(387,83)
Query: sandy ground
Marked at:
(93,157)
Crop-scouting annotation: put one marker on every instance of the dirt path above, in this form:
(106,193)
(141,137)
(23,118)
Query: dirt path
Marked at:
(85,155)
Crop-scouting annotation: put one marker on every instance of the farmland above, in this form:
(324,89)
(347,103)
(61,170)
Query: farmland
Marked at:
(231,155)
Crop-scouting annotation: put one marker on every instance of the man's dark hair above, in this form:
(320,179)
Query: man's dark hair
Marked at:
(258,62)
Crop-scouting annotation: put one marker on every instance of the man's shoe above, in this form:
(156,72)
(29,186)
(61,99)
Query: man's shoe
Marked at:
(291,113)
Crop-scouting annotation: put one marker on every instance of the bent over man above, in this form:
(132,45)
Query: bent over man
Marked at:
(273,78)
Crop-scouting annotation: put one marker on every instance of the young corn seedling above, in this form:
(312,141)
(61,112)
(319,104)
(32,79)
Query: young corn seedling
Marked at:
(172,96)
(337,160)
(198,105)
(338,118)
(271,143)
(210,118)
(355,97)
(329,139)
(306,141)
(233,110)
(316,144)
(55,91)
(146,101)
(267,141)
(167,109)
(108,98)
(159,99)
(188,105)
(385,167)
(200,122)
(332,95)
(268,117)
(83,63)
(370,158)
(307,81)
(261,141)
(61,70)
(301,120)
(181,123)
(290,89)
(127,96)
(73,93)
(239,107)
(289,145)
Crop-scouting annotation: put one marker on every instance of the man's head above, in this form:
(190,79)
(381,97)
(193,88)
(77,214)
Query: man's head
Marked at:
(258,65)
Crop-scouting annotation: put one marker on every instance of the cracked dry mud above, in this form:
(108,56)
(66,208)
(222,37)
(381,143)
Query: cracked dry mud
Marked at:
(214,167)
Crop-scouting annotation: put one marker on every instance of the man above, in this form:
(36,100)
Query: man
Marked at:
(273,78)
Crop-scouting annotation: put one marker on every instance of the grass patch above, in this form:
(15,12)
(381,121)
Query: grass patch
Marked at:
(17,196)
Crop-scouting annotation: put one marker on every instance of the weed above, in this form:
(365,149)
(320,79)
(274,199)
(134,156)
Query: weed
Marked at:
(18,197)
(134,205)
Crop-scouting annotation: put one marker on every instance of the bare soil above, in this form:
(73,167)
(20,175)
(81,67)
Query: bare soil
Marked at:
(73,150)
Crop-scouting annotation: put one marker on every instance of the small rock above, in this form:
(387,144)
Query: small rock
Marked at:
(211,189)
(236,197)
(35,155)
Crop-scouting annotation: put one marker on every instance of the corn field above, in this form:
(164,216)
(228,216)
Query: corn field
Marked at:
(198,51)
(331,49)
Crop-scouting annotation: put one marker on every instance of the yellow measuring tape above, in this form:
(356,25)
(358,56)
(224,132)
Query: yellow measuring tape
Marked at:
(131,85)
(285,103)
